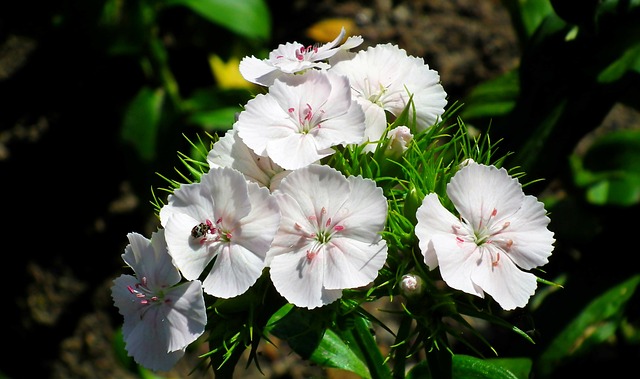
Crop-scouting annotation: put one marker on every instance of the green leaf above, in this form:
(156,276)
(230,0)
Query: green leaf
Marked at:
(215,120)
(141,121)
(629,61)
(495,97)
(468,367)
(533,12)
(307,334)
(248,18)
(610,169)
(333,352)
(597,322)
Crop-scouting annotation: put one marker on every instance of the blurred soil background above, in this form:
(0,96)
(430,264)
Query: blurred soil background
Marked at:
(68,191)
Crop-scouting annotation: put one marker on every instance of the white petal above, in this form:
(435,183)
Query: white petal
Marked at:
(259,227)
(313,188)
(258,71)
(477,190)
(189,254)
(296,151)
(457,260)
(231,151)
(239,263)
(364,213)
(234,271)
(375,121)
(157,334)
(274,124)
(150,259)
(350,263)
(532,241)
(287,239)
(187,316)
(508,285)
(262,121)
(433,219)
(122,297)
(300,281)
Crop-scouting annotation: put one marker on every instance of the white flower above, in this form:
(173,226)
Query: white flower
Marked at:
(383,78)
(223,217)
(160,318)
(301,118)
(329,236)
(292,58)
(230,151)
(500,231)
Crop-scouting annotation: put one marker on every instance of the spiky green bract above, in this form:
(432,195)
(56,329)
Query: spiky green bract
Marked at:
(195,164)
(239,323)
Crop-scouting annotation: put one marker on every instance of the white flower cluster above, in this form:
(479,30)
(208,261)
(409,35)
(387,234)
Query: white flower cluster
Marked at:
(267,201)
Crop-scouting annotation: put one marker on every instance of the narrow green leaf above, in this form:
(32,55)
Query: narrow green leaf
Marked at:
(468,367)
(248,18)
(495,97)
(597,322)
(333,352)
(629,61)
(142,120)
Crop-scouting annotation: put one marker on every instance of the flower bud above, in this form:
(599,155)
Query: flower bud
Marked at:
(411,285)
(399,139)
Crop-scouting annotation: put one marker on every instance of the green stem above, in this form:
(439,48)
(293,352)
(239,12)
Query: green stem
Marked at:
(363,338)
(401,342)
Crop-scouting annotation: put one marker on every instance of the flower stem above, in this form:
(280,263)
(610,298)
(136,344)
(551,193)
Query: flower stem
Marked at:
(363,337)
(402,346)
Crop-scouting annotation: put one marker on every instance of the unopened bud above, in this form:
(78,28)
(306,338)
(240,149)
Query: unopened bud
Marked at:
(399,138)
(411,285)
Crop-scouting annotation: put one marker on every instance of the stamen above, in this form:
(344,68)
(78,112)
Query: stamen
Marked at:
(311,255)
(495,263)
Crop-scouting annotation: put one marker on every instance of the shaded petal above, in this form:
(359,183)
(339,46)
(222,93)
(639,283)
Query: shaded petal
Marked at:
(296,151)
(234,271)
(350,263)
(434,219)
(509,286)
(122,297)
(375,121)
(258,71)
(186,314)
(259,227)
(299,280)
(150,259)
(457,260)
(231,151)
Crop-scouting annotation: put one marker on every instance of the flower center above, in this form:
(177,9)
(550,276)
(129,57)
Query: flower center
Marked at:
(306,53)
(145,296)
(307,119)
(487,234)
(209,232)
(323,230)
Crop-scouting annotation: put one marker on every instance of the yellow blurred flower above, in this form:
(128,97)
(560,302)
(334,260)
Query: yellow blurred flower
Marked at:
(227,74)
(326,30)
